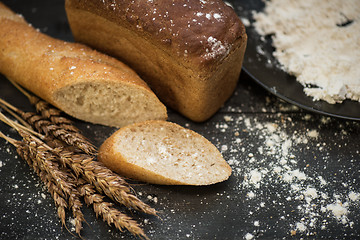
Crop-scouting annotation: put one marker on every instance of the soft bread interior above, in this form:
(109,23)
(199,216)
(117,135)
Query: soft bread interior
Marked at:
(110,104)
(169,150)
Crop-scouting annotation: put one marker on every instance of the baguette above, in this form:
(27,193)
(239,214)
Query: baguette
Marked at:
(165,153)
(189,52)
(80,81)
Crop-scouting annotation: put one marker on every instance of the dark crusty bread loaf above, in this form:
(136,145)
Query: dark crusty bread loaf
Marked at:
(189,52)
(80,81)
(162,152)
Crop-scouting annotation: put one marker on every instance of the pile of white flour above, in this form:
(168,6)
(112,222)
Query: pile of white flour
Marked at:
(318,42)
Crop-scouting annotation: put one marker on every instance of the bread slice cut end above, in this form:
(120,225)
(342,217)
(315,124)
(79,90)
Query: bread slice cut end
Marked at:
(111,104)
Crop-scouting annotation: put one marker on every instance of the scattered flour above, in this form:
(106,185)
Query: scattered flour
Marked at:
(353,196)
(300,227)
(339,210)
(255,176)
(313,134)
(275,168)
(318,43)
(249,236)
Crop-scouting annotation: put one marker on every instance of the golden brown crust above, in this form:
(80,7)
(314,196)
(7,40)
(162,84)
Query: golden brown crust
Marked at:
(199,32)
(45,65)
(41,56)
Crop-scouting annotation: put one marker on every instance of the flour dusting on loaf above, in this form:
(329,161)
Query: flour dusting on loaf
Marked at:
(189,52)
(180,24)
(162,152)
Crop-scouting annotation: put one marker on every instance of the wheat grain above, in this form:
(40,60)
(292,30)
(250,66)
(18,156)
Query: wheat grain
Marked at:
(43,125)
(71,138)
(59,181)
(105,181)
(53,114)
(108,212)
(69,173)
(44,108)
(57,194)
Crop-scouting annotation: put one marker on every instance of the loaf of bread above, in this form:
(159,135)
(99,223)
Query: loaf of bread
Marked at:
(162,152)
(189,52)
(80,81)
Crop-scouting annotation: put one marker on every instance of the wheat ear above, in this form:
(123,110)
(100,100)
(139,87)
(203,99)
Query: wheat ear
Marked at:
(45,126)
(108,212)
(64,170)
(44,108)
(104,180)
(61,177)
(59,182)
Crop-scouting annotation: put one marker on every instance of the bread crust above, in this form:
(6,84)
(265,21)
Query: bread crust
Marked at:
(46,66)
(115,159)
(175,25)
(191,59)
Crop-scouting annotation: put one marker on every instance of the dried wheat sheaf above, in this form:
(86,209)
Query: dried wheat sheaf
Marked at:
(66,163)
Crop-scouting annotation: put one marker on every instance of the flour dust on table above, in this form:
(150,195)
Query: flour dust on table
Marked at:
(275,176)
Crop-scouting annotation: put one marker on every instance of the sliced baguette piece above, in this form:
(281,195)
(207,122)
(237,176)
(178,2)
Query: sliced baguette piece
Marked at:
(82,82)
(165,153)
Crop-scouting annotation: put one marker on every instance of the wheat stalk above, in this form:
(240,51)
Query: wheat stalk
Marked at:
(48,112)
(61,186)
(11,109)
(50,129)
(53,114)
(102,208)
(108,212)
(58,178)
(104,180)
(59,182)
(45,126)
(69,173)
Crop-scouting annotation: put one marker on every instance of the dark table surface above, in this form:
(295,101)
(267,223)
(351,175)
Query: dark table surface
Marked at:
(295,173)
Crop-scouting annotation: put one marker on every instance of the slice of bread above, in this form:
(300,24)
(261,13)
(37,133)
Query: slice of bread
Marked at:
(162,152)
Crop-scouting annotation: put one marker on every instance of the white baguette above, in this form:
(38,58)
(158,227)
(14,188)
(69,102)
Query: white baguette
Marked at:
(161,152)
(84,83)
